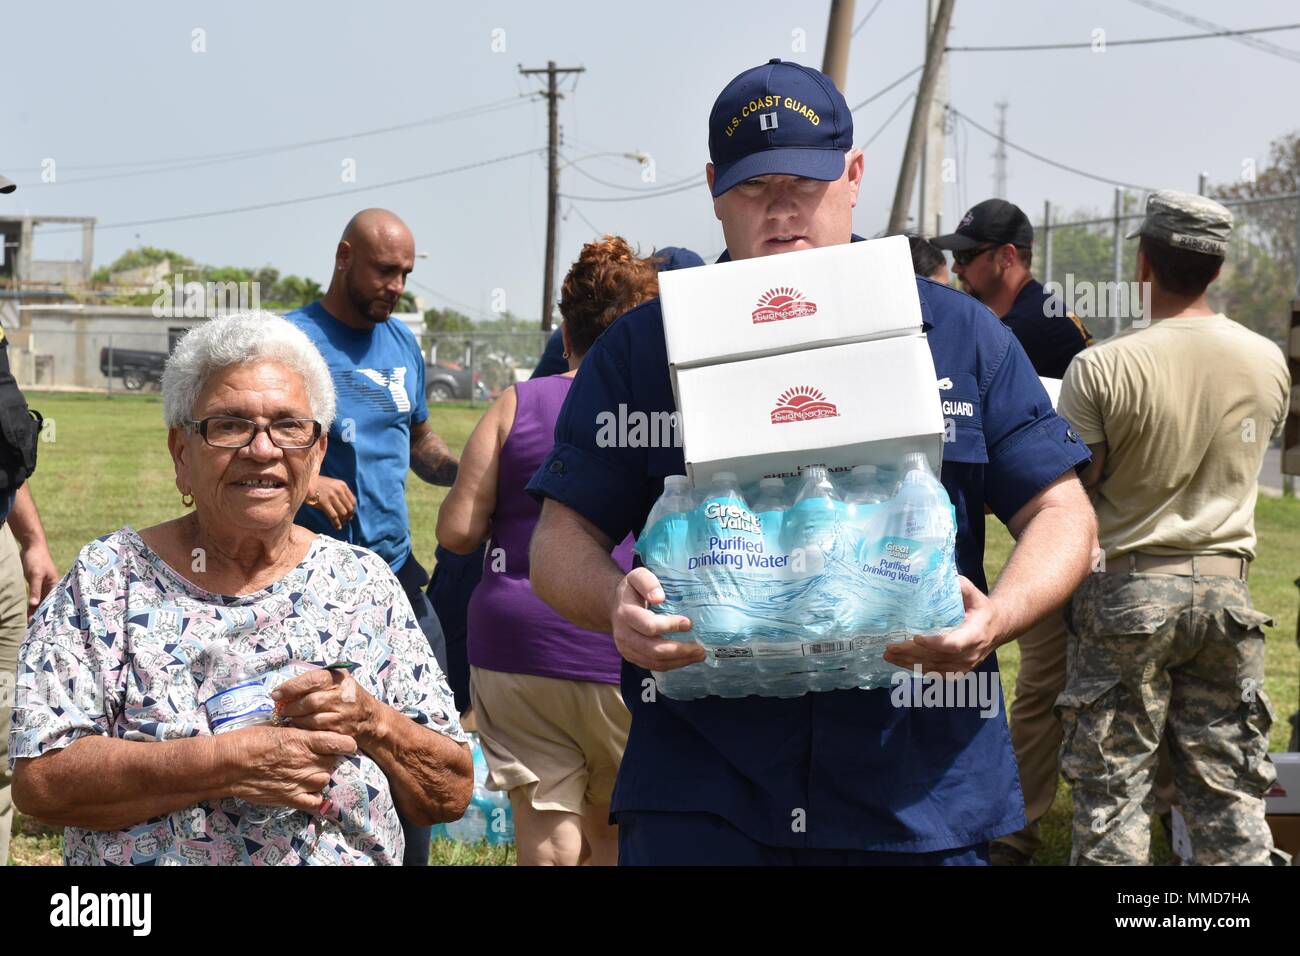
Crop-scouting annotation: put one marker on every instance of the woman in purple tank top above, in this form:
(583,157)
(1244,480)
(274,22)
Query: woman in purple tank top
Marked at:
(545,692)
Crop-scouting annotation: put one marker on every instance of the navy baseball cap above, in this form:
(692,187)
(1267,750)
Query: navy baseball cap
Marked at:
(779,119)
(671,258)
(993,220)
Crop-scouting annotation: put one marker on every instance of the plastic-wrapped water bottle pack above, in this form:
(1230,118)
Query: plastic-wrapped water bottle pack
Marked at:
(796,586)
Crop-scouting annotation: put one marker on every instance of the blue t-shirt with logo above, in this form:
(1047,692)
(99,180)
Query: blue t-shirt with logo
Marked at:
(379,385)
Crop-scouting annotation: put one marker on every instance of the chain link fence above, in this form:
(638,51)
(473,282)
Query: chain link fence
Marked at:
(1095,267)
(463,366)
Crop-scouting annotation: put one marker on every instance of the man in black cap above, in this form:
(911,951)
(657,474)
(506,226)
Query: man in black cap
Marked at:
(992,249)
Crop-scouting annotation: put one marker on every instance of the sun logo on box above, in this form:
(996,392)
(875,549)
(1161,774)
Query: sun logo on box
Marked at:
(802,403)
(783,302)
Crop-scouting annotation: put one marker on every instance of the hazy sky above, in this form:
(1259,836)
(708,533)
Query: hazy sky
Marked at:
(92,84)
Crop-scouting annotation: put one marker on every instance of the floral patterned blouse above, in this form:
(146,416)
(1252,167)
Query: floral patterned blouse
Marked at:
(117,649)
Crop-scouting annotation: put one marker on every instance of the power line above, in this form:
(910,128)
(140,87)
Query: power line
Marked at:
(1109,43)
(1249,41)
(191,162)
(573,208)
(881,92)
(576,164)
(699,181)
(892,116)
(863,22)
(469,310)
(302,199)
(1051,162)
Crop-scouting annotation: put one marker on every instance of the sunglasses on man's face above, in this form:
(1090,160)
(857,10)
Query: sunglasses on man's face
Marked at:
(967,256)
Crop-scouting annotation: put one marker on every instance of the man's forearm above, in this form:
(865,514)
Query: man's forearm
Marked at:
(105,783)
(571,569)
(431,776)
(433,461)
(1052,556)
(24,520)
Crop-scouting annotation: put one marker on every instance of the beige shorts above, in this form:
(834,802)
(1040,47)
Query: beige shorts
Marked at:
(562,740)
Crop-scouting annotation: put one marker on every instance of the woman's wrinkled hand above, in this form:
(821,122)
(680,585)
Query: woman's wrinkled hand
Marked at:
(284,766)
(328,700)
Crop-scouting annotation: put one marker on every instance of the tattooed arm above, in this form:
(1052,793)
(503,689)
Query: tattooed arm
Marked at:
(431,459)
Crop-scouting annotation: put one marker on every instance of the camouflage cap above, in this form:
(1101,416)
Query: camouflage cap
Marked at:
(1186,221)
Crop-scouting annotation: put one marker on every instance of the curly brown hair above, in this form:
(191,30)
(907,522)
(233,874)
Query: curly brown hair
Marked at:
(607,280)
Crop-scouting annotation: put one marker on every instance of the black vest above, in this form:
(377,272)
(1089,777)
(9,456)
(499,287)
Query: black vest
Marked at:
(20,428)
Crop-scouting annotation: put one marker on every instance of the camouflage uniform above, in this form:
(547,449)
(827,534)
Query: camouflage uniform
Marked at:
(1179,657)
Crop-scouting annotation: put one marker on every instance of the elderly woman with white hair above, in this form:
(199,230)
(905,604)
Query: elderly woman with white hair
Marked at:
(307,644)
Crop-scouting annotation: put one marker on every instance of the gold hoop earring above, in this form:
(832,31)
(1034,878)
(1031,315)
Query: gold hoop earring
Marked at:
(187,500)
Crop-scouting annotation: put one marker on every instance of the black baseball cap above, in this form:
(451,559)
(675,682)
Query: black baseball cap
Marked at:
(7,185)
(779,119)
(993,220)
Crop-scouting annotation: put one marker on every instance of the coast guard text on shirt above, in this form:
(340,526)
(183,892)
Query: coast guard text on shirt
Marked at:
(103,909)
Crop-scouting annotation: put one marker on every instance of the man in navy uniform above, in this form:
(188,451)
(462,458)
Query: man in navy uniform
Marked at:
(841,776)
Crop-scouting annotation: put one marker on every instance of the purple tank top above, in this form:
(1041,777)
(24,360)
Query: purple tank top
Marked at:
(510,628)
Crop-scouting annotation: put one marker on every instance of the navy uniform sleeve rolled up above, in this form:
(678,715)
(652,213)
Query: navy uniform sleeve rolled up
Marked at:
(1029,445)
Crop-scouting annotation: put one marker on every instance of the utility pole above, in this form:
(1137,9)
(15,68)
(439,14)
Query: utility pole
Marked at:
(920,113)
(1000,154)
(929,205)
(552,180)
(835,61)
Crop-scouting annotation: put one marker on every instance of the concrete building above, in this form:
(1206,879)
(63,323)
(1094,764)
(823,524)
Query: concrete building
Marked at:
(20,268)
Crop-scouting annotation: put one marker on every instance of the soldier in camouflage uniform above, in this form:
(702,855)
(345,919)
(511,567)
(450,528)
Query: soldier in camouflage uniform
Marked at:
(1163,640)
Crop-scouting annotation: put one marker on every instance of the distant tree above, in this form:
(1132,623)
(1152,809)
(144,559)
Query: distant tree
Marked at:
(447,320)
(1259,279)
(139,258)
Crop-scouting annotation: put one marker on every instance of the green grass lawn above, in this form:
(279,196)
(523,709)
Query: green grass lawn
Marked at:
(107,465)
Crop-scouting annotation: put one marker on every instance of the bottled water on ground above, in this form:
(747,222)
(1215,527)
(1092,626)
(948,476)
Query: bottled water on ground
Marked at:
(488,816)
(803,591)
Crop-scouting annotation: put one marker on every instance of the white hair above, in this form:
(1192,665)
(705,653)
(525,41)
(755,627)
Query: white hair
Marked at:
(243,338)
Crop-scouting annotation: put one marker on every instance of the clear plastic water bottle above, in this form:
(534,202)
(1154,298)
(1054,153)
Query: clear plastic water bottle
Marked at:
(923,502)
(674,507)
(236,698)
(723,623)
(813,519)
(920,520)
(676,499)
(864,487)
(771,496)
(488,816)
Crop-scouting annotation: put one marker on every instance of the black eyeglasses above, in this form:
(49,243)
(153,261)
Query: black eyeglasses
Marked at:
(966,256)
(223,431)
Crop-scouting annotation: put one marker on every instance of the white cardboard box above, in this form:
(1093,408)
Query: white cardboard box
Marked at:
(850,292)
(1053,387)
(1284,796)
(843,405)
